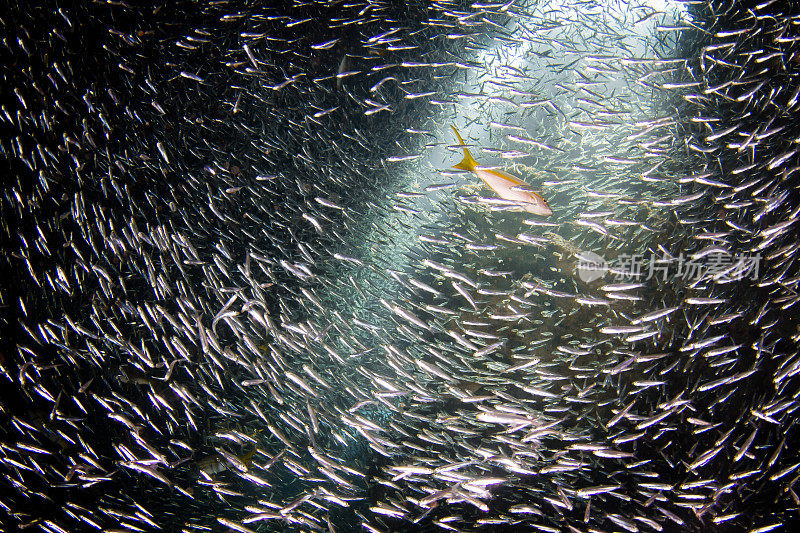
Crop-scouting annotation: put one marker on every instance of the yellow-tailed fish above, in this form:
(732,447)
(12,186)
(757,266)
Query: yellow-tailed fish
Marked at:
(218,463)
(504,184)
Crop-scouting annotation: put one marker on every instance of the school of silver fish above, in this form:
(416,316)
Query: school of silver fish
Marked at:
(244,289)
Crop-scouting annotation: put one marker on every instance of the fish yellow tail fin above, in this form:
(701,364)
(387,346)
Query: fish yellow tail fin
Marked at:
(468,163)
(247,458)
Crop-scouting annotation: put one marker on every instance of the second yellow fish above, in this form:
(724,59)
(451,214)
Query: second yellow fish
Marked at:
(504,184)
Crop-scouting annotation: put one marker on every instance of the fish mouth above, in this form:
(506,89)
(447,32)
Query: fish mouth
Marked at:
(537,209)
